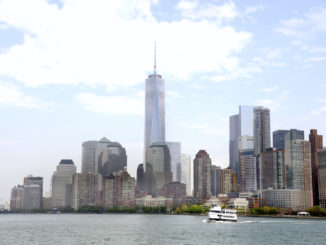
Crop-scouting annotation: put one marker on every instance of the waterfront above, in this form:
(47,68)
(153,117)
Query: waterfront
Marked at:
(155,229)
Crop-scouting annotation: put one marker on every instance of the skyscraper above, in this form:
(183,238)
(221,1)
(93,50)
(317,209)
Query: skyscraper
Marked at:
(158,167)
(33,192)
(316,143)
(240,125)
(175,153)
(279,137)
(101,145)
(215,180)
(88,156)
(154,110)
(112,159)
(202,175)
(62,184)
(186,172)
(262,133)
(247,171)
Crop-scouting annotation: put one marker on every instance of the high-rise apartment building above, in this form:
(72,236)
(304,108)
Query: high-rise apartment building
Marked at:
(186,172)
(202,178)
(316,143)
(16,198)
(322,177)
(62,184)
(228,181)
(175,153)
(248,174)
(154,110)
(262,133)
(158,167)
(298,168)
(112,159)
(215,180)
(272,169)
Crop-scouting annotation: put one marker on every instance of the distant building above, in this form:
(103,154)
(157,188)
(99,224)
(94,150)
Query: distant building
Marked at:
(262,133)
(33,195)
(47,203)
(140,176)
(215,180)
(279,137)
(149,201)
(283,198)
(175,153)
(119,190)
(88,156)
(273,169)
(112,159)
(85,188)
(62,184)
(154,111)
(16,198)
(245,142)
(101,145)
(298,168)
(322,177)
(248,170)
(316,143)
(202,178)
(228,181)
(158,167)
(186,172)
(174,190)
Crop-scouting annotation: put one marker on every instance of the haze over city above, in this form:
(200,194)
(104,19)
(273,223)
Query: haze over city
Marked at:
(72,71)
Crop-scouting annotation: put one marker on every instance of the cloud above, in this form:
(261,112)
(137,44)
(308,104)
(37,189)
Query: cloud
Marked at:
(274,103)
(313,20)
(197,86)
(194,10)
(13,95)
(271,89)
(315,59)
(253,9)
(111,43)
(113,105)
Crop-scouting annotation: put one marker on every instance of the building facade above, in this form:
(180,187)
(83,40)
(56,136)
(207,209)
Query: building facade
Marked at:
(33,195)
(16,198)
(228,181)
(248,170)
(279,137)
(215,180)
(85,188)
(283,198)
(62,184)
(186,172)
(322,177)
(202,178)
(175,153)
(316,143)
(112,159)
(88,156)
(262,133)
(234,126)
(158,167)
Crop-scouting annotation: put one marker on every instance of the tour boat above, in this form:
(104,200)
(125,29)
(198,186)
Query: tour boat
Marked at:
(222,214)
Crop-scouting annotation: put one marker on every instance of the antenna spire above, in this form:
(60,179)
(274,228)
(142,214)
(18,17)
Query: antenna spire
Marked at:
(155,58)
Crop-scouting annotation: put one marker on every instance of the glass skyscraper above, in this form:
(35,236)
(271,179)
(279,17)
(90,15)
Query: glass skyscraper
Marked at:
(154,111)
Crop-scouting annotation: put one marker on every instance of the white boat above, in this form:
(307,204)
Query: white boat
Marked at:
(220,214)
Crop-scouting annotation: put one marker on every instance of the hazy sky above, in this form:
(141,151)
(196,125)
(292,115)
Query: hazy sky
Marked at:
(74,70)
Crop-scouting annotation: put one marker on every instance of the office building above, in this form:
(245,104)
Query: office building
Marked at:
(316,143)
(32,194)
(158,167)
(262,133)
(215,180)
(228,181)
(84,189)
(273,169)
(140,176)
(154,110)
(16,198)
(279,137)
(283,198)
(88,156)
(248,170)
(202,178)
(186,172)
(62,184)
(175,154)
(112,159)
(101,145)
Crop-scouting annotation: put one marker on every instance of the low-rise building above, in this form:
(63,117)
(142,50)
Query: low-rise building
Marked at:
(149,201)
(284,198)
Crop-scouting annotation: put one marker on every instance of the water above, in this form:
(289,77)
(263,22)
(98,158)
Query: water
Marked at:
(156,229)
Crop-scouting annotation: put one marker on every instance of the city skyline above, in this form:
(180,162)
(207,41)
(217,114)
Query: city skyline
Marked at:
(51,101)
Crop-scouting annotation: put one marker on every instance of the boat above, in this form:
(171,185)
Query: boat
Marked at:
(216,213)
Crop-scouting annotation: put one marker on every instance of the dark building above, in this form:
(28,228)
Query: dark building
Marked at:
(273,169)
(262,133)
(322,177)
(279,137)
(316,143)
(202,175)
(248,170)
(215,180)
(174,190)
(140,176)
(113,159)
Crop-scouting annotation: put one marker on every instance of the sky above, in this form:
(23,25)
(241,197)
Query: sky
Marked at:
(75,70)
